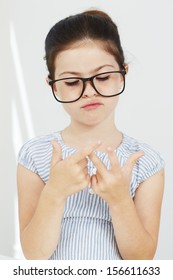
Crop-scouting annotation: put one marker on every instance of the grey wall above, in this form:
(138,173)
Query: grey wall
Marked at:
(27,107)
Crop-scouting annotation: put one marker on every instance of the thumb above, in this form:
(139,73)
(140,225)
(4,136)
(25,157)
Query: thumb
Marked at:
(131,161)
(56,153)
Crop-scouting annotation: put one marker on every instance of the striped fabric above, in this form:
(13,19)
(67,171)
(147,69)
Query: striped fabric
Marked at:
(86,230)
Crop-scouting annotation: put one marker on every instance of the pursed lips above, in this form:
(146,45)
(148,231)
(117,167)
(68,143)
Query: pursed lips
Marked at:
(92,105)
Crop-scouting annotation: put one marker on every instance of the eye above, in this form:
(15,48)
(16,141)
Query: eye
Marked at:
(103,78)
(71,83)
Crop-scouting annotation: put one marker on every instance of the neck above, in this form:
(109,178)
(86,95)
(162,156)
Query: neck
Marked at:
(79,135)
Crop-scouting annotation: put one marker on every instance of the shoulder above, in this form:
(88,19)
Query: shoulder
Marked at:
(36,151)
(149,164)
(39,143)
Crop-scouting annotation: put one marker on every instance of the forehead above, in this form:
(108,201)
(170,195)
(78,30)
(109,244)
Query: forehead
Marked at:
(83,56)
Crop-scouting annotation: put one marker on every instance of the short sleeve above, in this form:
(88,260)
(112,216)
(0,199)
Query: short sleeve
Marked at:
(151,163)
(25,157)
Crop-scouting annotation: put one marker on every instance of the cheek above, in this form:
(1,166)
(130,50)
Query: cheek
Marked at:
(69,108)
(112,102)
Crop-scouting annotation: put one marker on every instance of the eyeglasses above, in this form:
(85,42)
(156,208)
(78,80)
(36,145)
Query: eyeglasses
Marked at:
(107,84)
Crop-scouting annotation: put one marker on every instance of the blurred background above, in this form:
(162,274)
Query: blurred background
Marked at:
(28,109)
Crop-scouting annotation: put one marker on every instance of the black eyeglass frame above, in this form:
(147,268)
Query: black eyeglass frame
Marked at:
(84,80)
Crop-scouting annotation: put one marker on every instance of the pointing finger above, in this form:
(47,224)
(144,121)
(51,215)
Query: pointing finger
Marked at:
(100,166)
(56,153)
(83,153)
(131,161)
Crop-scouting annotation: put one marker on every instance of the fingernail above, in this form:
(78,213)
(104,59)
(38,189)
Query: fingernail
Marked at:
(109,149)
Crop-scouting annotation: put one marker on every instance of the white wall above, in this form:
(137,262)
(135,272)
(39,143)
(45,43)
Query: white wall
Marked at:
(27,107)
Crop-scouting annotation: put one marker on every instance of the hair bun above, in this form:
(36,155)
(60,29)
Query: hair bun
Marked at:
(97,13)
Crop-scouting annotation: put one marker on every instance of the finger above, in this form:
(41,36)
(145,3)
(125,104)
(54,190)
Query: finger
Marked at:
(132,160)
(85,170)
(93,181)
(114,163)
(84,152)
(83,163)
(56,153)
(100,166)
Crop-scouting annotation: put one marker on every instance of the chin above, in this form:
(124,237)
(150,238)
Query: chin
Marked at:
(91,122)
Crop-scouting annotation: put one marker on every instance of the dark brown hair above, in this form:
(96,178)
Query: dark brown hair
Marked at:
(92,24)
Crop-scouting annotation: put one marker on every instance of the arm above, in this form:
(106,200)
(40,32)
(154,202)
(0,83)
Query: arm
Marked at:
(41,206)
(40,214)
(136,223)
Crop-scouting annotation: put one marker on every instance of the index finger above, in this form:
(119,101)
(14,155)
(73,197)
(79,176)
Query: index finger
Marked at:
(83,153)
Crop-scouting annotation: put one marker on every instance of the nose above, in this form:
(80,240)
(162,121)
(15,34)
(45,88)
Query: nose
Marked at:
(89,90)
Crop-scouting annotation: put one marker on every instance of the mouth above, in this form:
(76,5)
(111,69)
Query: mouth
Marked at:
(91,105)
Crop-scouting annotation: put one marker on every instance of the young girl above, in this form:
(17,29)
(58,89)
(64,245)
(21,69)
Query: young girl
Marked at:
(89,191)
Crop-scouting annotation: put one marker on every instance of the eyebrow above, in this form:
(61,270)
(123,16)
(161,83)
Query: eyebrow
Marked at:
(95,70)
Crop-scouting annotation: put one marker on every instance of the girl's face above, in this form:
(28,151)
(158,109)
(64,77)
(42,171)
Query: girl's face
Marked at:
(85,59)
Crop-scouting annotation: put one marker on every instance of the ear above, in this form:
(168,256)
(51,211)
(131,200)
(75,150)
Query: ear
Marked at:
(126,68)
(48,80)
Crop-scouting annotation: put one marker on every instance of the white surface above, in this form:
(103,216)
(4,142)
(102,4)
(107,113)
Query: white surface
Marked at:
(2,257)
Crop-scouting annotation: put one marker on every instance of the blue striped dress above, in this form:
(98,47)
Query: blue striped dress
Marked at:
(86,230)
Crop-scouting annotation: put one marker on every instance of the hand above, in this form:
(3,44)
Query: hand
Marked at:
(113,185)
(70,175)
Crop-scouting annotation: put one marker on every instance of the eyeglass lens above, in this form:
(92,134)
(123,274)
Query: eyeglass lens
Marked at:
(70,89)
